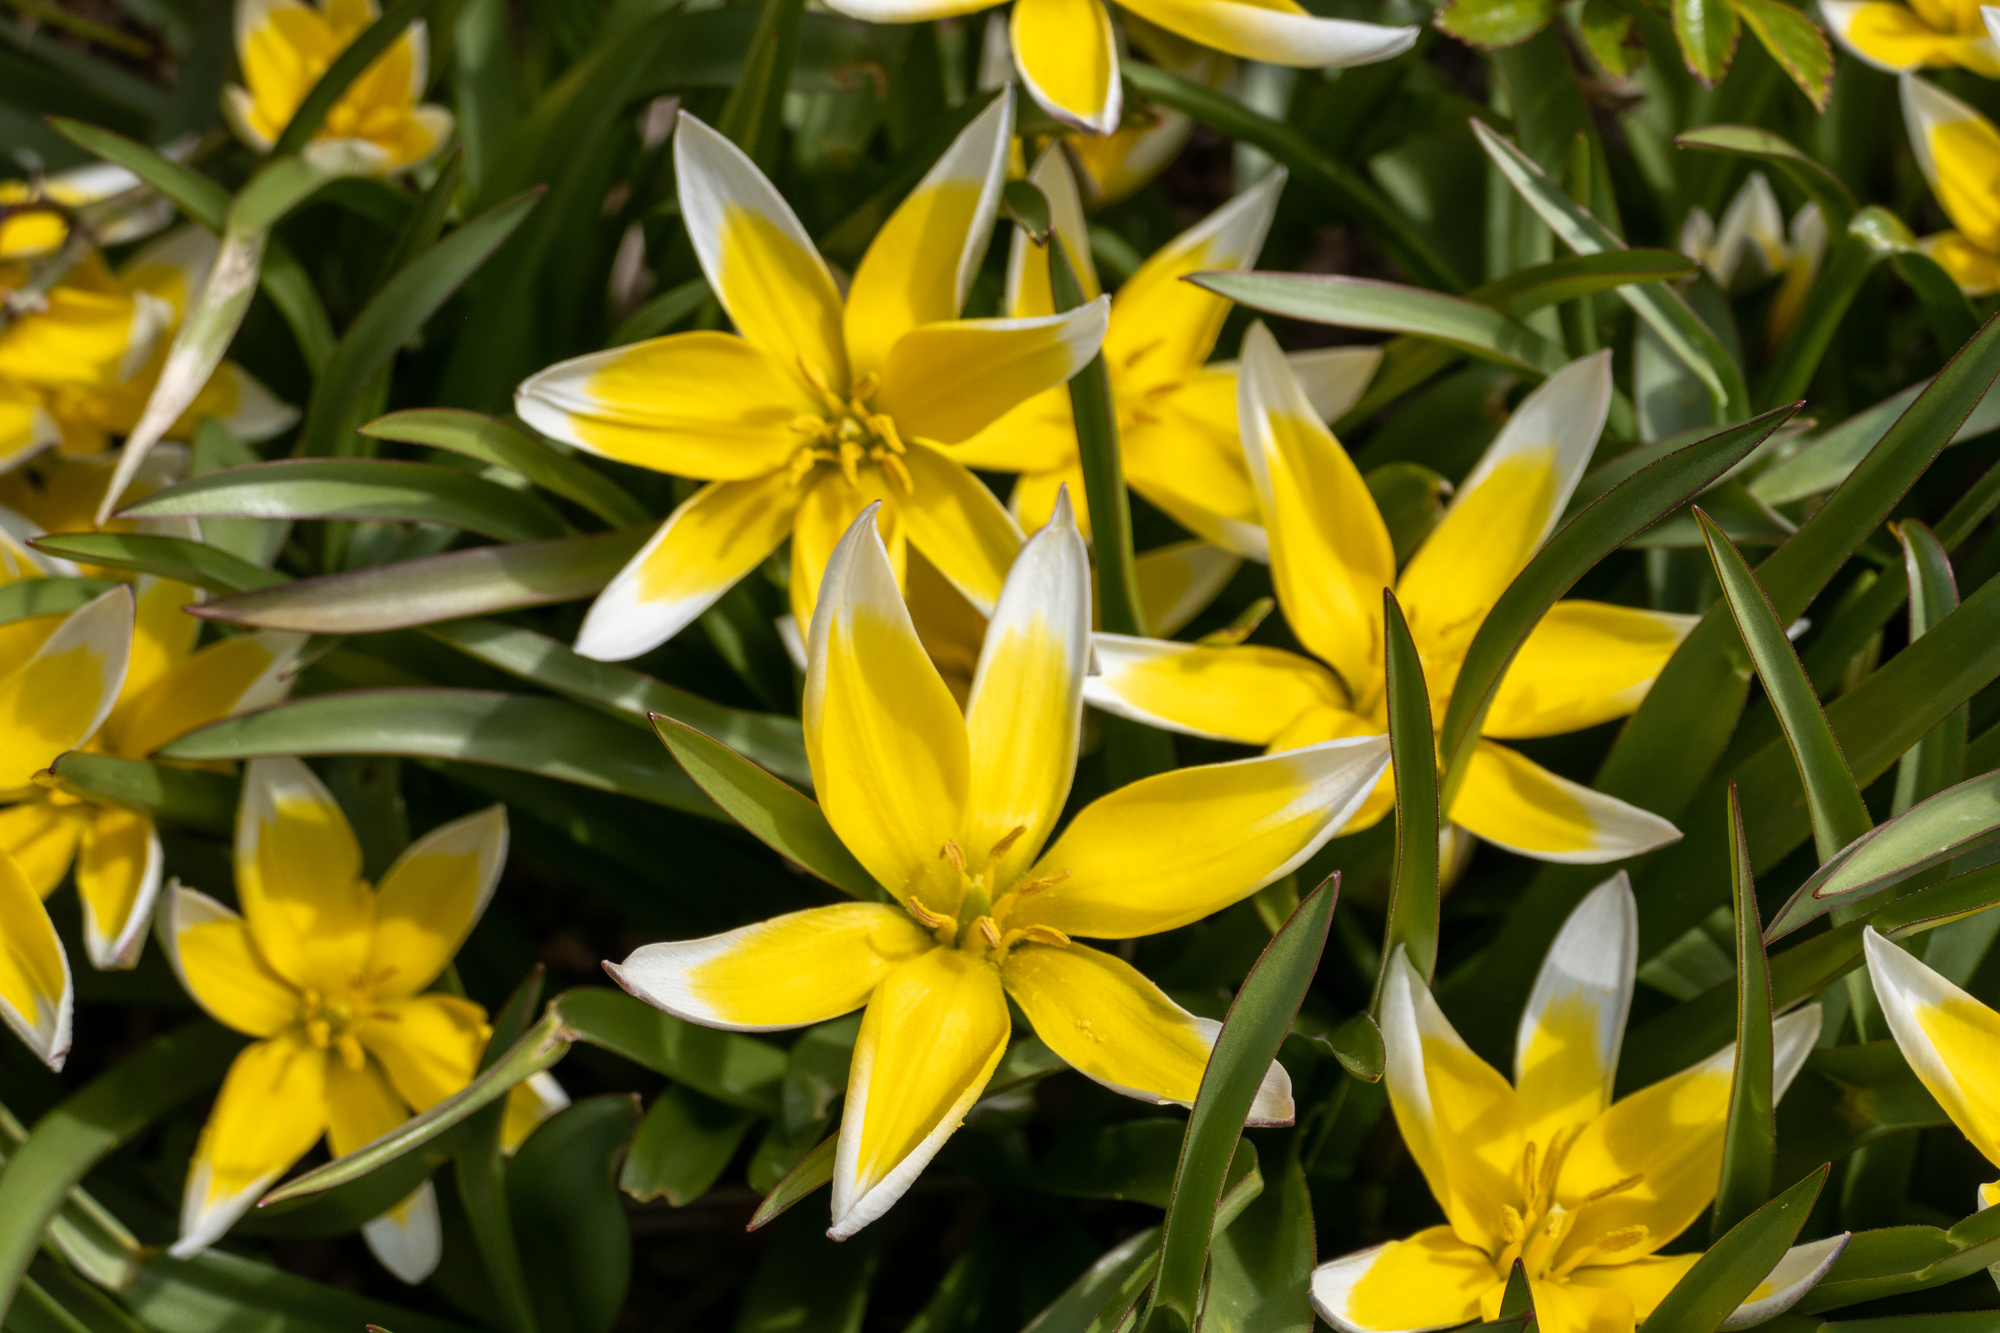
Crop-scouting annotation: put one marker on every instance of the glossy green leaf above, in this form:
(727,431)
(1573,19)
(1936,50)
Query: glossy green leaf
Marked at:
(1839,815)
(1258,1020)
(169,557)
(751,118)
(777,814)
(1731,1269)
(477,581)
(561,1195)
(394,316)
(1848,1097)
(1946,309)
(1414,890)
(346,67)
(84,1128)
(814,1171)
(1819,183)
(1706,31)
(552,737)
(732,1067)
(1612,36)
(683,1145)
(1366,303)
(24,599)
(195,1295)
(1795,42)
(1938,760)
(1570,276)
(1749,1145)
(1855,254)
(193,193)
(481,1171)
(185,797)
(1825,461)
(1491,23)
(1260,1268)
(497,442)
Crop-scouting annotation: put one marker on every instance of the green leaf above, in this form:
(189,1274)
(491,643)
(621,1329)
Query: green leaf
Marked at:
(1856,252)
(1365,303)
(35,88)
(814,1171)
(732,1067)
(1827,459)
(1706,31)
(1610,521)
(348,66)
(193,193)
(1414,890)
(1839,815)
(1386,224)
(481,1170)
(1134,1161)
(25,599)
(552,737)
(1661,307)
(1356,1044)
(1570,276)
(184,797)
(807,1283)
(1946,309)
(1965,1321)
(1258,1020)
(285,280)
(1491,23)
(204,566)
(770,739)
(1411,499)
(480,580)
(662,312)
(1951,823)
(1749,1145)
(1818,182)
(1938,760)
(1612,36)
(778,815)
(1846,1098)
(1115,1279)
(495,441)
(1731,1269)
(394,316)
(194,1295)
(751,117)
(85,1127)
(562,1199)
(1795,42)
(1260,1268)
(682,1147)
(369,488)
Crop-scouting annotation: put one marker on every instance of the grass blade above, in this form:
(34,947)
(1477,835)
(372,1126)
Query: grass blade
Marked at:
(1749,1145)
(495,441)
(1725,1276)
(1413,895)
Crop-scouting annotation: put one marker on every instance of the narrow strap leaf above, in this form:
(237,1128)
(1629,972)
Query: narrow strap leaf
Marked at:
(1749,1144)
(1413,895)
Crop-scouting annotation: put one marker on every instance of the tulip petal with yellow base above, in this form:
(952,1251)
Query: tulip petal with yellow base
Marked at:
(949,810)
(1177,427)
(284,46)
(1959,152)
(1586,663)
(818,407)
(36,997)
(1900,37)
(329,974)
(1548,1169)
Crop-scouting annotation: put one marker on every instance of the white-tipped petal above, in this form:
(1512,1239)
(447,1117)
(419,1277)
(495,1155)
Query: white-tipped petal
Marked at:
(1566,1047)
(408,1240)
(1782,1288)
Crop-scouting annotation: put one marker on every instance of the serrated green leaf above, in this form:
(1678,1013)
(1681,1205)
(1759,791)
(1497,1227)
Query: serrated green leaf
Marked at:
(1795,42)
(1706,31)
(495,441)
(1612,36)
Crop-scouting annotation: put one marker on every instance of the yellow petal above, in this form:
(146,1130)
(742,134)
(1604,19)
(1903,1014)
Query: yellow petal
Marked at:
(1180,581)
(887,744)
(1026,704)
(757,257)
(1585,663)
(1186,456)
(920,266)
(118,878)
(35,994)
(1663,1145)
(1976,271)
(1163,327)
(947,382)
(1513,802)
(234,676)
(298,877)
(1334,378)
(707,405)
(1566,1047)
(957,523)
(1330,551)
(799,968)
(1431,1280)
(1889,36)
(718,535)
(1959,152)
(934,1030)
(26,428)
(89,333)
(950,628)
(1459,1117)
(828,507)
(1645,1281)
(528,1105)
(270,1112)
(1502,513)
(1276,31)
(360,1106)
(1946,1035)
(211,950)
(1250,693)
(1037,435)
(1068,58)
(1575,1308)
(1027,291)
(1033,498)
(431,898)
(59,697)
(1111,1024)
(163,634)
(429,1045)
(41,836)
(1170,849)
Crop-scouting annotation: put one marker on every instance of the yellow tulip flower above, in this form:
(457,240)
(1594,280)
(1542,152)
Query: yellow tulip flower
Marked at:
(1949,1039)
(816,408)
(36,998)
(1586,663)
(1067,51)
(29,232)
(1548,1169)
(329,975)
(1176,412)
(949,811)
(1959,152)
(284,46)
(1902,37)
(170,689)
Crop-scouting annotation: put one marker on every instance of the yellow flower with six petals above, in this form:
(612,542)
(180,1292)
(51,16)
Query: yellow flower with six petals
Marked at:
(949,811)
(817,407)
(1959,152)
(1901,37)
(1331,558)
(1548,1169)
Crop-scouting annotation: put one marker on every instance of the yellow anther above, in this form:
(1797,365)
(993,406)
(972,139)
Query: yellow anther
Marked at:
(1041,882)
(1528,1170)
(885,428)
(1511,1226)
(926,918)
(1044,935)
(850,459)
(953,853)
(319,1032)
(807,424)
(894,467)
(1630,1182)
(988,931)
(1622,1239)
(1012,836)
(351,1053)
(865,387)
